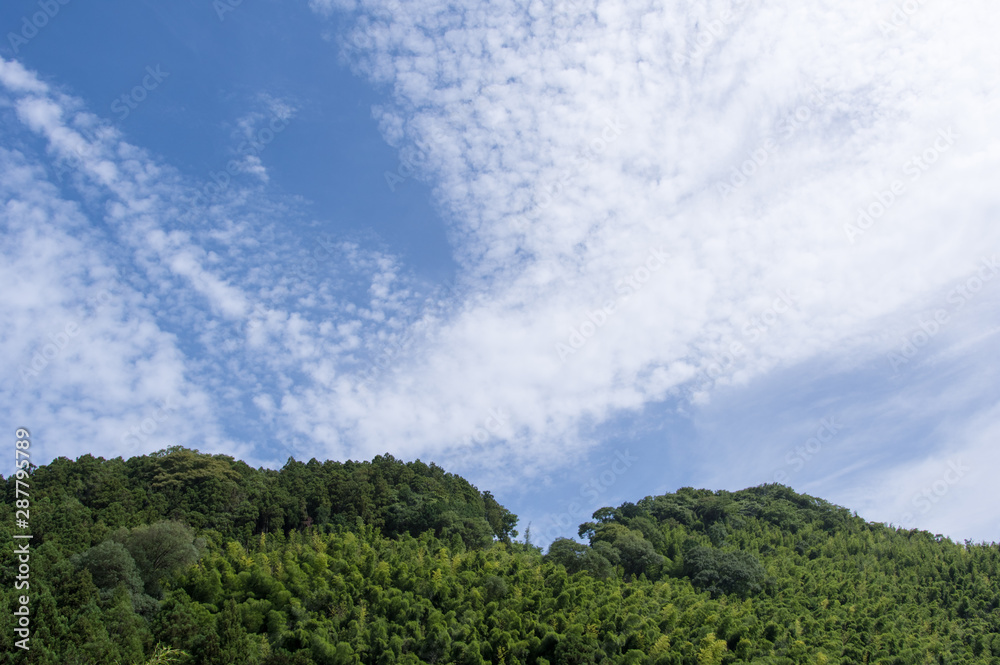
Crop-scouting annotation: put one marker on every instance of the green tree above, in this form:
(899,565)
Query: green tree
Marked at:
(111,564)
(724,572)
(162,548)
(234,645)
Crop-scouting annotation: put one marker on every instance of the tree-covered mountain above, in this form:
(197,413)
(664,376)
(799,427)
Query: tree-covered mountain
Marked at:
(191,558)
(225,497)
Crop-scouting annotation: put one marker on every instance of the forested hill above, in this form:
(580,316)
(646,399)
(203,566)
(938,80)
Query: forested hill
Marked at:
(190,558)
(90,496)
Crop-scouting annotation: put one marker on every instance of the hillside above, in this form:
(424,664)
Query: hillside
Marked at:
(191,558)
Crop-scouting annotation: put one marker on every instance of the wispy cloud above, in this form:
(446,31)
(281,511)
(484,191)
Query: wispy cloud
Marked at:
(522,98)
(197,307)
(564,142)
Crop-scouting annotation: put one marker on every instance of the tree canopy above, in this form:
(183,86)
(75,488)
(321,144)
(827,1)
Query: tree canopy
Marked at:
(199,559)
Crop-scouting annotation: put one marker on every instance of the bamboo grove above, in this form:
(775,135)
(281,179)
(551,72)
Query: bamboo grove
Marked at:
(181,557)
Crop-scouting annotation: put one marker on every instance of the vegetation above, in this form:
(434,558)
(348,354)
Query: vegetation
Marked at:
(180,557)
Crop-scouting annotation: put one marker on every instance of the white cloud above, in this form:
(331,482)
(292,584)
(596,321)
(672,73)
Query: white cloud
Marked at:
(564,142)
(254,131)
(180,294)
(579,139)
(17,78)
(85,360)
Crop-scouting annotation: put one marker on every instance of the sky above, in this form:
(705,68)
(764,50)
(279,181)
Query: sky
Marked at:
(578,251)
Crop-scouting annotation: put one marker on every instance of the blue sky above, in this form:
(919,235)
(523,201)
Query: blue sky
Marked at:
(579,252)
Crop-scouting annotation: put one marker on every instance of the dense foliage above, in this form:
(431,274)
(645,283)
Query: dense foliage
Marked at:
(90,497)
(189,558)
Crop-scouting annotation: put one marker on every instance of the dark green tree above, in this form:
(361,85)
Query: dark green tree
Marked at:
(160,549)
